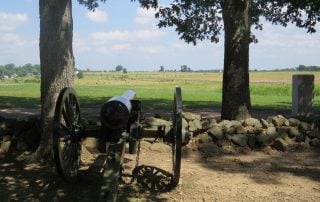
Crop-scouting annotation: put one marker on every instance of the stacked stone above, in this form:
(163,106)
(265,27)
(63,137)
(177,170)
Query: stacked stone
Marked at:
(277,132)
(21,135)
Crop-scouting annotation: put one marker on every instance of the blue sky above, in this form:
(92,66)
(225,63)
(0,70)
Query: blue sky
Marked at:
(120,32)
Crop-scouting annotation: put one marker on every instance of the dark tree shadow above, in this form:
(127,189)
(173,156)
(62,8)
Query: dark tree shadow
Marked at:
(266,168)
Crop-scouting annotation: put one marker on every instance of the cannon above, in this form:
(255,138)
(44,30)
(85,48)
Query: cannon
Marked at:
(120,119)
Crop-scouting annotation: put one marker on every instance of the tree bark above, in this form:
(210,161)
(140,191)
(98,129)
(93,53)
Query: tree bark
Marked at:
(57,63)
(236,102)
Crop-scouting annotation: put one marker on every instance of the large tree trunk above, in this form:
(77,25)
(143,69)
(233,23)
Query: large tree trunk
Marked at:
(236,102)
(57,63)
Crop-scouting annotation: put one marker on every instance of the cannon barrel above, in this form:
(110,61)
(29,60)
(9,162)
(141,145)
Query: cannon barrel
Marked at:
(115,112)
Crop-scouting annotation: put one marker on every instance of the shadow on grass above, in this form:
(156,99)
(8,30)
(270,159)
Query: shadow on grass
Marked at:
(19,102)
(149,104)
(97,102)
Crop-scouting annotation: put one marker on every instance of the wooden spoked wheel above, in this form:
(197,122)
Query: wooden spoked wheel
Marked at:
(176,136)
(66,135)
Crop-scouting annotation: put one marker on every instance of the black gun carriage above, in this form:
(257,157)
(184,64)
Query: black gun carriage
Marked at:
(120,119)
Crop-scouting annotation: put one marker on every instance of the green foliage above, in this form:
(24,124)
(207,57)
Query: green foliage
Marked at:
(119,68)
(203,20)
(93,4)
(11,70)
(80,74)
(161,69)
(307,68)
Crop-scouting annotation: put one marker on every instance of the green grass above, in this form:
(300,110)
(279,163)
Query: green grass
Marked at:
(200,90)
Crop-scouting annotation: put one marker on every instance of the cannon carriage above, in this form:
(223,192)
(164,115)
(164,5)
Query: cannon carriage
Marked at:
(120,119)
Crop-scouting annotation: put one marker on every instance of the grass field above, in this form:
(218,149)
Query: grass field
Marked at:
(270,90)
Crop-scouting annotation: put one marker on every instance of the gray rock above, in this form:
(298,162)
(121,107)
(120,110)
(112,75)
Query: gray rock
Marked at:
(304,127)
(281,132)
(315,142)
(240,140)
(280,144)
(216,132)
(225,122)
(223,142)
(313,134)
(229,129)
(264,123)
(184,123)
(252,122)
(271,131)
(151,121)
(205,138)
(294,122)
(251,140)
(241,130)
(195,125)
(207,124)
(279,120)
(301,137)
(160,147)
(5,146)
(263,140)
(293,131)
(191,116)
(208,148)
(235,123)
(259,131)
(288,140)
(250,130)
(307,140)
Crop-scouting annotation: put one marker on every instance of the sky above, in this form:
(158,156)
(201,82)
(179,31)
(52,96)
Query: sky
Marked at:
(121,33)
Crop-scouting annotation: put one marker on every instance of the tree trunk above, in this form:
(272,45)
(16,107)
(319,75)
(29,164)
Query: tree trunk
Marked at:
(57,63)
(236,102)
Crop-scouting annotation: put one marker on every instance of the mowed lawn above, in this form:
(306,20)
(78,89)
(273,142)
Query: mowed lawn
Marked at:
(269,90)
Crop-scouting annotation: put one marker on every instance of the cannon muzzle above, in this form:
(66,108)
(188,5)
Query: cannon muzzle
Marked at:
(115,113)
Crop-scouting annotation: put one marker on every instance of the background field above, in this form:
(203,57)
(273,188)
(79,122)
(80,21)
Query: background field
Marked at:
(269,90)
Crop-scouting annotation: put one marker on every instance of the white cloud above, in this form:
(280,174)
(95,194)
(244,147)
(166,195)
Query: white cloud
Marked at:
(12,40)
(127,48)
(10,21)
(144,16)
(13,45)
(97,16)
(275,37)
(122,47)
(127,35)
(149,49)
(80,43)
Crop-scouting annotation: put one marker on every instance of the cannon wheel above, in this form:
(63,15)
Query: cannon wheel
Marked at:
(66,135)
(176,136)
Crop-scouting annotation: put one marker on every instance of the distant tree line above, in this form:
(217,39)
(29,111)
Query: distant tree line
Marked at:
(11,70)
(299,68)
